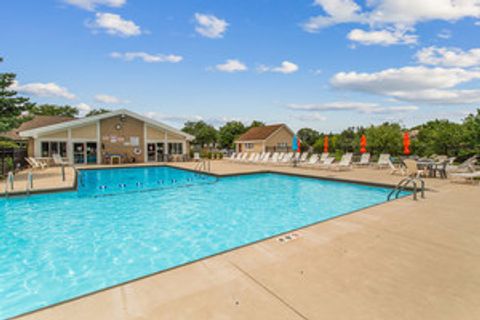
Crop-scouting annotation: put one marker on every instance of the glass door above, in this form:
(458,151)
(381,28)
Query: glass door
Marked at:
(91,152)
(79,152)
(160,151)
(151,152)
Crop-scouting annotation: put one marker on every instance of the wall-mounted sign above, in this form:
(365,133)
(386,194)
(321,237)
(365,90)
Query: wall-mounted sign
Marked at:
(135,141)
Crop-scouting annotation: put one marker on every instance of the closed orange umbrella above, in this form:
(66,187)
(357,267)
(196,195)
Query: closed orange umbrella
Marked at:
(325,144)
(363,144)
(406,143)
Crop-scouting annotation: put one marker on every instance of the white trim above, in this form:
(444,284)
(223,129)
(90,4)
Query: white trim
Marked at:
(165,141)
(83,121)
(145,146)
(99,144)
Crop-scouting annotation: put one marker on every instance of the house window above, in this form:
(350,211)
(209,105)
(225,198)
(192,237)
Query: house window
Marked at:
(175,148)
(249,146)
(282,146)
(49,148)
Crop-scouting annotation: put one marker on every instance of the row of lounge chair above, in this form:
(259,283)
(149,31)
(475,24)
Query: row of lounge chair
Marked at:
(321,161)
(36,163)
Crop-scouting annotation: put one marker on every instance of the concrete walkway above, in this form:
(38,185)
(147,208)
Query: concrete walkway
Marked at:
(399,260)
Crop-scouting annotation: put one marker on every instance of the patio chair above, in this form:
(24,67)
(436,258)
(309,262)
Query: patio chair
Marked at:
(296,157)
(38,163)
(364,160)
(466,176)
(383,161)
(287,158)
(412,169)
(32,164)
(323,157)
(254,158)
(232,157)
(344,164)
(196,156)
(441,169)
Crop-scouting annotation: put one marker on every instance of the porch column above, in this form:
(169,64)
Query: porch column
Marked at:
(69,146)
(145,146)
(99,144)
(165,141)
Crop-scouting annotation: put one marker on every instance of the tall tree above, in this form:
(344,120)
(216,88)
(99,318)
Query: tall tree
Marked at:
(308,136)
(229,132)
(11,105)
(471,126)
(256,123)
(96,112)
(385,138)
(204,133)
(53,110)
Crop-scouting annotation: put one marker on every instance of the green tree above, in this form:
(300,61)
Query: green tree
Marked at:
(256,123)
(439,137)
(471,131)
(204,133)
(385,138)
(11,105)
(229,132)
(346,141)
(96,112)
(53,110)
(308,136)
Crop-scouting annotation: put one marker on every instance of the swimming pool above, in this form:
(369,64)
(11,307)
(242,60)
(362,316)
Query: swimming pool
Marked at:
(123,224)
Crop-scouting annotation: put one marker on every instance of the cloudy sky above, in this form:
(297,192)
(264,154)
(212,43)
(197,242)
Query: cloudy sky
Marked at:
(326,64)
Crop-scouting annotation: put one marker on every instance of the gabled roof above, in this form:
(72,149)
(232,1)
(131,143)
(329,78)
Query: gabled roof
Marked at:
(261,133)
(90,120)
(36,122)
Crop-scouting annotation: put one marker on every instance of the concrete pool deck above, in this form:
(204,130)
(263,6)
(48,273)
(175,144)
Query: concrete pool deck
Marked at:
(398,260)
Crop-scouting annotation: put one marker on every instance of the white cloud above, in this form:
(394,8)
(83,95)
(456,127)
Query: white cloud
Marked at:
(477,23)
(83,108)
(445,34)
(107,99)
(382,37)
(286,67)
(179,120)
(449,57)
(92,4)
(231,65)
(210,26)
(315,116)
(114,24)
(38,89)
(414,84)
(393,12)
(363,107)
(146,57)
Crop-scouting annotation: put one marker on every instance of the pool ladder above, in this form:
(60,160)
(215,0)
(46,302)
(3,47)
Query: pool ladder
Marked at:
(203,165)
(403,184)
(10,183)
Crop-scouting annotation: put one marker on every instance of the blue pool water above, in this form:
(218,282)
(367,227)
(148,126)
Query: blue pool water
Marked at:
(122,224)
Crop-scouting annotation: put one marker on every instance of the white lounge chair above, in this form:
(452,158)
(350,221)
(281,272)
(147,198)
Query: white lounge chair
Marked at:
(57,159)
(243,158)
(310,162)
(467,166)
(287,158)
(323,157)
(254,158)
(196,156)
(304,157)
(344,164)
(364,160)
(265,158)
(37,163)
(396,170)
(383,161)
(296,157)
(467,177)
(328,163)
(280,156)
(232,157)
(275,157)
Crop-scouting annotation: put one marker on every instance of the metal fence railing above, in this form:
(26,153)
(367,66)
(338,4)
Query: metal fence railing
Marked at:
(12,159)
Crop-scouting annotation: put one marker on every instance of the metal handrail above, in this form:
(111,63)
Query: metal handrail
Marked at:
(404,183)
(29,185)
(10,182)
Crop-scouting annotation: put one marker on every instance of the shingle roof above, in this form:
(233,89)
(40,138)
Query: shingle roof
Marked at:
(259,133)
(36,122)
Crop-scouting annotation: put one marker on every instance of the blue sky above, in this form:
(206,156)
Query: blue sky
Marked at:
(325,64)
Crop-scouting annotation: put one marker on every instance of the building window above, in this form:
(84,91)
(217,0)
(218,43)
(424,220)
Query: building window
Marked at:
(49,148)
(249,146)
(282,146)
(175,148)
